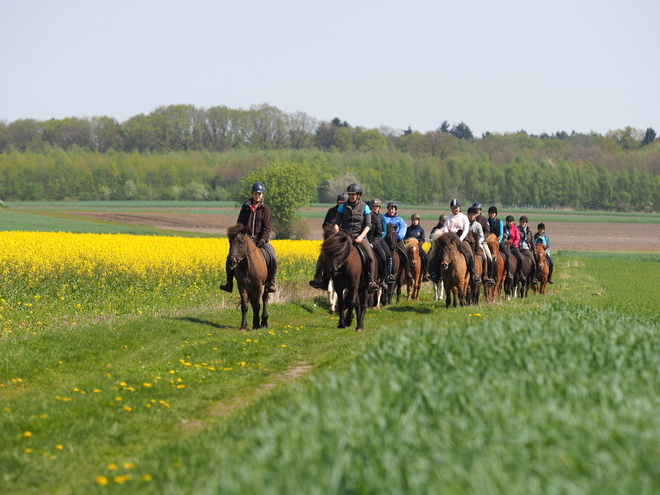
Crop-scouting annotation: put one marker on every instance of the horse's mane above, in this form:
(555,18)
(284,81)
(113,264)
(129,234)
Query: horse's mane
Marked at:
(494,246)
(336,247)
(408,241)
(234,230)
(446,239)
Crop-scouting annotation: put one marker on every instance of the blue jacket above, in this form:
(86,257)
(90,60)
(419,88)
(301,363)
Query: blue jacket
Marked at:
(417,232)
(399,223)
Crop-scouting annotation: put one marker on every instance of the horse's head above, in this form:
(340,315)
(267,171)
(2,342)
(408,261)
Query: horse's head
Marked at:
(335,249)
(390,235)
(447,244)
(493,245)
(238,244)
(539,254)
(412,248)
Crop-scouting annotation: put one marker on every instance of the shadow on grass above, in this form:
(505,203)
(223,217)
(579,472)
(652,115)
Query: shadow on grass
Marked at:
(205,322)
(409,309)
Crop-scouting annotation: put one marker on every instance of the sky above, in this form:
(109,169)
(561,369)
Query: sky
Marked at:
(498,66)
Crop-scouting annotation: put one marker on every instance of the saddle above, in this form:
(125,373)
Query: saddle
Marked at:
(268,258)
(364,257)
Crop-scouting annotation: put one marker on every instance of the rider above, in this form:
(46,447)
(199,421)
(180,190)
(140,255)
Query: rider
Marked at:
(497,227)
(354,216)
(416,231)
(256,217)
(328,228)
(526,244)
(457,222)
(479,232)
(541,238)
(483,221)
(375,237)
(401,228)
(437,231)
(439,227)
(513,235)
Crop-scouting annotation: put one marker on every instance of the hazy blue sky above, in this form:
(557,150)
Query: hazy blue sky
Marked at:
(499,66)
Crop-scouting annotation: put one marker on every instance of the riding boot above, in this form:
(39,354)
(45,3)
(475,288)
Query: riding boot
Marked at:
(270,281)
(229,286)
(317,281)
(373,286)
(491,270)
(390,276)
(550,281)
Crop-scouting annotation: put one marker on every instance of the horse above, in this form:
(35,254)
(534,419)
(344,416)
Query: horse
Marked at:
(479,268)
(398,264)
(414,282)
(542,268)
(516,287)
(251,271)
(434,268)
(499,268)
(342,262)
(455,273)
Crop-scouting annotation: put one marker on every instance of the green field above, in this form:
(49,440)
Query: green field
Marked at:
(553,394)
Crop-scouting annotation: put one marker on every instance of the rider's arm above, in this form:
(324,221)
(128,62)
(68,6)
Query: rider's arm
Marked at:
(465,227)
(338,218)
(402,228)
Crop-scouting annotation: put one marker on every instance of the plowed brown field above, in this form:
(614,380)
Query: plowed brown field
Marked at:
(563,235)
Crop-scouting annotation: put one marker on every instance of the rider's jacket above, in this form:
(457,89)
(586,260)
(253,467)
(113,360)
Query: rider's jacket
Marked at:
(436,231)
(353,217)
(399,223)
(417,232)
(458,222)
(513,235)
(496,227)
(476,228)
(375,234)
(329,221)
(525,237)
(542,239)
(257,219)
(483,221)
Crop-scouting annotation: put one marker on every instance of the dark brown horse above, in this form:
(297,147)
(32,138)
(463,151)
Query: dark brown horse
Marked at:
(251,272)
(455,273)
(479,268)
(516,287)
(398,264)
(542,268)
(342,262)
(499,268)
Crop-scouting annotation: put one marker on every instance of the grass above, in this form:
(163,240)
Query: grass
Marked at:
(554,394)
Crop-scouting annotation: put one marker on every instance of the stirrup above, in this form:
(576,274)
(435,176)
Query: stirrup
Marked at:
(317,284)
(551,281)
(476,279)
(271,287)
(490,281)
(373,287)
(390,279)
(226,287)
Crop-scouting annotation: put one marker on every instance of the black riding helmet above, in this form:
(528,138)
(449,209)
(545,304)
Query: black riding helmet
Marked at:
(258,187)
(392,203)
(454,202)
(341,198)
(354,188)
(492,209)
(509,218)
(472,209)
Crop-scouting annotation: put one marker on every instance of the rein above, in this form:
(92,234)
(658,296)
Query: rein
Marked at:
(238,260)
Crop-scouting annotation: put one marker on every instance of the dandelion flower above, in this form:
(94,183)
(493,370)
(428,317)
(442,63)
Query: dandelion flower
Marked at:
(27,434)
(102,480)
(112,466)
(59,447)
(146,477)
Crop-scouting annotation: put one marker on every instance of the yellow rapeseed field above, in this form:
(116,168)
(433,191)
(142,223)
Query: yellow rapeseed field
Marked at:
(49,273)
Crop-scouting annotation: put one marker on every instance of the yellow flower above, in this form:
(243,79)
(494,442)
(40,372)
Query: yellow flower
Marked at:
(146,477)
(28,451)
(147,385)
(59,447)
(112,466)
(102,480)
(128,408)
(27,434)
(128,465)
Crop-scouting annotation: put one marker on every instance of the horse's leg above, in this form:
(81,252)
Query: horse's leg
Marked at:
(256,309)
(448,294)
(264,312)
(341,307)
(361,309)
(244,309)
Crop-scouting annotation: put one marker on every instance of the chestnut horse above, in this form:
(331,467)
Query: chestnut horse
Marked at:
(343,264)
(455,273)
(413,283)
(542,268)
(499,268)
(251,272)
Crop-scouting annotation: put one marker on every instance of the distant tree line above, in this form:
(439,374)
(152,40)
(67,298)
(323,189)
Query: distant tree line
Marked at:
(512,169)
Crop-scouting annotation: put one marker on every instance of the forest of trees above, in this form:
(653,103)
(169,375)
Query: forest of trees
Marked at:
(180,152)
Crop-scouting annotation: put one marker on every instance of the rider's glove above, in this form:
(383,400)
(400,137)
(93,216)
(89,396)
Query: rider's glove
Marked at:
(260,243)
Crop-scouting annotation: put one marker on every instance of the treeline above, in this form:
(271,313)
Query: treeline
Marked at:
(178,128)
(494,170)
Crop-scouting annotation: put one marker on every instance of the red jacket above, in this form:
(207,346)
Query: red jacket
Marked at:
(514,236)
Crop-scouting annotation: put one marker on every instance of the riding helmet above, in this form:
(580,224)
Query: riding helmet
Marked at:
(472,209)
(442,217)
(523,219)
(258,187)
(415,216)
(354,188)
(492,209)
(375,202)
(478,206)
(392,203)
(454,202)
(510,218)
(341,198)
(541,226)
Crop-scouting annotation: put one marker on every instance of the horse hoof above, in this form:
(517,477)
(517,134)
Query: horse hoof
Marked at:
(359,330)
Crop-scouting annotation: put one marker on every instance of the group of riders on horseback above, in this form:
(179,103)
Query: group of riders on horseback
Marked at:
(368,228)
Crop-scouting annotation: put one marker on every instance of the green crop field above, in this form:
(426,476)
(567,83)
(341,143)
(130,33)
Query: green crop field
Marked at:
(551,394)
